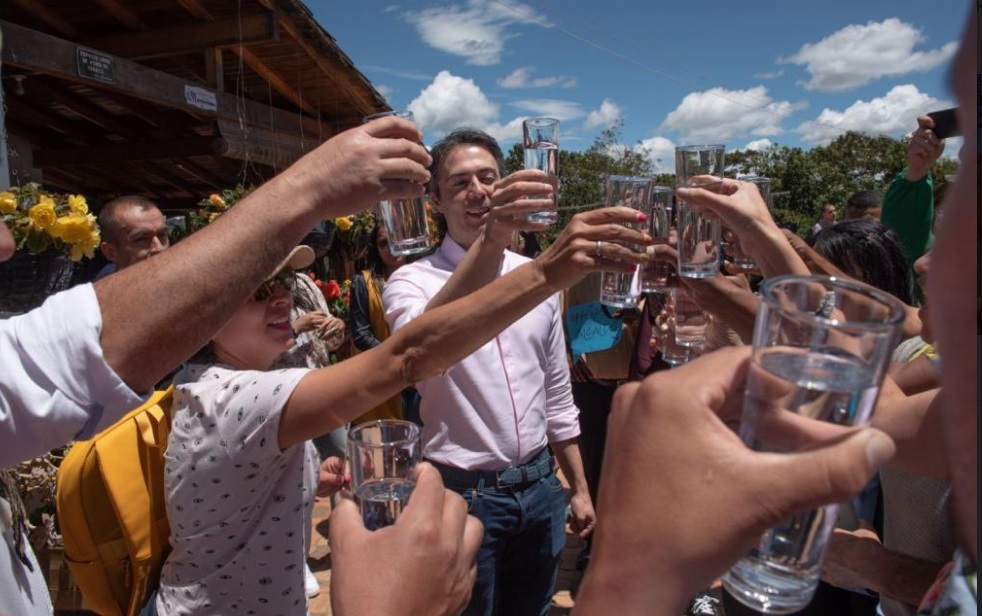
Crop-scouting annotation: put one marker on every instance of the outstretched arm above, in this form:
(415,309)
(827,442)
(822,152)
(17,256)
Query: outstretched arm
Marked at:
(147,332)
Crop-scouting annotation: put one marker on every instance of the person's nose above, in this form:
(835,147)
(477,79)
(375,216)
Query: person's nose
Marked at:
(922,265)
(157,245)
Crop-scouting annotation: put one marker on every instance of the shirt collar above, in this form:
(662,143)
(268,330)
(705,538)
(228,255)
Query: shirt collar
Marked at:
(451,251)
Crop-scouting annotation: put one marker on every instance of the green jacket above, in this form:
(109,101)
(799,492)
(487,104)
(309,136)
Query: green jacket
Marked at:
(908,209)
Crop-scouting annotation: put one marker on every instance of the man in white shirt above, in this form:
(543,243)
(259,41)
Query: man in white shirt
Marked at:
(492,419)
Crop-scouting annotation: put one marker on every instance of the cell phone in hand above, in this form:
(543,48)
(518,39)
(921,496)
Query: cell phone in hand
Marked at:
(945,123)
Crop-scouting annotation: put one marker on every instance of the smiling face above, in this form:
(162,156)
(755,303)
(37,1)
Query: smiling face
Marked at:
(465,182)
(257,333)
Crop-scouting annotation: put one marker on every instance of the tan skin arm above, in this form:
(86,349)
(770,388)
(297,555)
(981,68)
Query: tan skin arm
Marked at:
(439,338)
(157,313)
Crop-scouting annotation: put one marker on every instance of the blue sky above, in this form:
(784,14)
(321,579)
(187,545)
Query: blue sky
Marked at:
(745,74)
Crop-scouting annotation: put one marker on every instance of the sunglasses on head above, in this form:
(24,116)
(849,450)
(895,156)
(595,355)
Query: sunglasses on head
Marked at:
(286,278)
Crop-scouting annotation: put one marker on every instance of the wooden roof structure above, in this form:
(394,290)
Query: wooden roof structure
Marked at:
(172,99)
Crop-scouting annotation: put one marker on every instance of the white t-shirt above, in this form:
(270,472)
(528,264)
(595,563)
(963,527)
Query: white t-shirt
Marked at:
(238,506)
(55,384)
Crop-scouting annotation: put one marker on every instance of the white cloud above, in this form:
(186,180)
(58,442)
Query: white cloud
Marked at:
(857,54)
(892,114)
(506,133)
(372,68)
(476,31)
(952,145)
(451,102)
(720,114)
(758,144)
(521,78)
(384,90)
(661,153)
(551,108)
(769,74)
(604,117)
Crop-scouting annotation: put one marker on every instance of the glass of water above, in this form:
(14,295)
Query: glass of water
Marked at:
(404,219)
(821,348)
(691,321)
(655,273)
(541,145)
(731,243)
(383,455)
(698,166)
(617,289)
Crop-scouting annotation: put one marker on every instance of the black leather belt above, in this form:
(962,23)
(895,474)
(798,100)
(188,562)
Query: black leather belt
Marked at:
(513,477)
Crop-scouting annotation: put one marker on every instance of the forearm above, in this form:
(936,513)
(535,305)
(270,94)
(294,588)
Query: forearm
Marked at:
(612,584)
(571,463)
(158,312)
(479,267)
(916,376)
(426,346)
(773,253)
(915,425)
(901,577)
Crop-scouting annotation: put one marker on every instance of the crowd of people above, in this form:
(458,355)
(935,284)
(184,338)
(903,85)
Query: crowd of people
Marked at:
(477,331)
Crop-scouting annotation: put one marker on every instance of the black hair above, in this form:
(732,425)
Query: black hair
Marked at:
(375,263)
(871,252)
(109,214)
(462,136)
(864,200)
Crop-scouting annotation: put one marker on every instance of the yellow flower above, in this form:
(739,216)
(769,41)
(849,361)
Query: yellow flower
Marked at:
(213,216)
(216,200)
(73,229)
(85,248)
(8,202)
(77,205)
(344,223)
(43,214)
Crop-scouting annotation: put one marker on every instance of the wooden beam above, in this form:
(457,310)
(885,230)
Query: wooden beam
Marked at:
(215,68)
(114,153)
(31,50)
(329,65)
(85,108)
(203,175)
(263,146)
(188,38)
(252,60)
(48,16)
(123,14)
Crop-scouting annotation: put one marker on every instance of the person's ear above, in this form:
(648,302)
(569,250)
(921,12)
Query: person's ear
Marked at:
(108,251)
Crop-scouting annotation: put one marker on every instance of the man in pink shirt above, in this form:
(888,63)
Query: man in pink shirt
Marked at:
(493,422)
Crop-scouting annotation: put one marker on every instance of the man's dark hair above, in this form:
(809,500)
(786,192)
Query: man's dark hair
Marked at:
(109,214)
(462,136)
(864,200)
(871,252)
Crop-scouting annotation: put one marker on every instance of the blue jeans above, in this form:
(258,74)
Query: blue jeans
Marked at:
(524,533)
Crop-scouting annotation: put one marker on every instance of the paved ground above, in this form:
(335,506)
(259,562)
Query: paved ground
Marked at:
(320,564)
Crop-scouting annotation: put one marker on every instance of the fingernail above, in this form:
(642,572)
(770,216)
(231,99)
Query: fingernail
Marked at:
(647,238)
(642,217)
(879,450)
(682,190)
(644,257)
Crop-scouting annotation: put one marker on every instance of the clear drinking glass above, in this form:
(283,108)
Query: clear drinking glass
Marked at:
(383,455)
(698,166)
(673,353)
(621,290)
(654,274)
(731,243)
(541,145)
(691,321)
(821,347)
(404,219)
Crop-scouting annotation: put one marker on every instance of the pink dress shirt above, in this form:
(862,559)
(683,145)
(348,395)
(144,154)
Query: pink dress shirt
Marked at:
(503,403)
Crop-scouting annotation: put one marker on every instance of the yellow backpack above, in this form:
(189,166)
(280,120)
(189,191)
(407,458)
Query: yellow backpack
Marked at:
(110,499)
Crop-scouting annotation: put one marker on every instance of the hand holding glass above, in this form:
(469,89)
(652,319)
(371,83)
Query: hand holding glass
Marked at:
(541,146)
(404,219)
(654,274)
(736,255)
(622,290)
(821,348)
(698,166)
(383,456)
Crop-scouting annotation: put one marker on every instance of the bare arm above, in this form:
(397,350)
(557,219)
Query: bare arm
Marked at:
(511,200)
(916,426)
(569,459)
(440,337)
(146,332)
(857,559)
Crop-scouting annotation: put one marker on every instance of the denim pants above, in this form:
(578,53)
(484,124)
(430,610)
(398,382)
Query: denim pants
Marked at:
(524,533)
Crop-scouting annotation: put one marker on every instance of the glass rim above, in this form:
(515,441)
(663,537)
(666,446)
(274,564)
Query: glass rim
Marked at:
(540,121)
(660,188)
(399,113)
(635,179)
(897,312)
(755,178)
(699,147)
(414,432)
